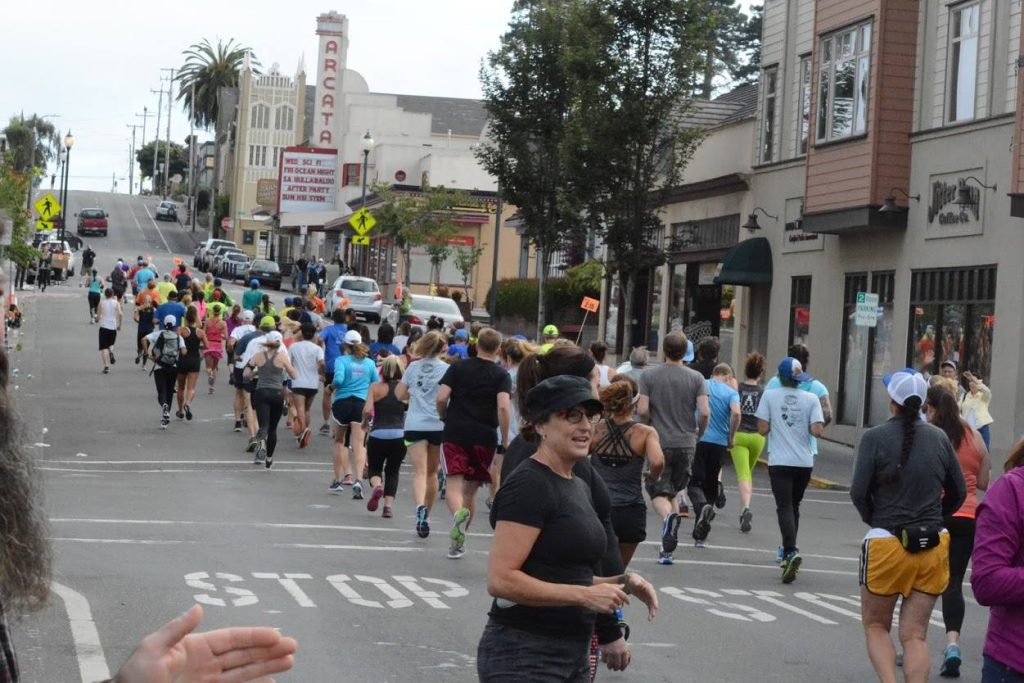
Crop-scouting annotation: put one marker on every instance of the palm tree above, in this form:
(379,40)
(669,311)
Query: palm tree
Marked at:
(208,69)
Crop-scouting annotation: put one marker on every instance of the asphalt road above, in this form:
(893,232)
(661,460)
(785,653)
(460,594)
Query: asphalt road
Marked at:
(145,522)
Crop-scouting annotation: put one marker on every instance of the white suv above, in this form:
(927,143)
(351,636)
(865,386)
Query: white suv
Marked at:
(363,295)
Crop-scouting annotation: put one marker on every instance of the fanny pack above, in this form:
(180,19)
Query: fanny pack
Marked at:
(915,539)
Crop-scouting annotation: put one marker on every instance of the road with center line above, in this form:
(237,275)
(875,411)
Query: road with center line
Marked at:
(146,522)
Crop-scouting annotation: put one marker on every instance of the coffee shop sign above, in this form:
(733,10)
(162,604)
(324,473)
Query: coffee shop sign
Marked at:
(942,206)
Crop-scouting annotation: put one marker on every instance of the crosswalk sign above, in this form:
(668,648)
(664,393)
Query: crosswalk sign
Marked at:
(44,226)
(48,207)
(361,240)
(362,221)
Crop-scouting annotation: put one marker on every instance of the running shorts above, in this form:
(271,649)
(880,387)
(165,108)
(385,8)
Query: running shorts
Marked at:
(107,338)
(348,410)
(676,474)
(303,391)
(433,438)
(630,522)
(886,568)
(472,462)
(328,378)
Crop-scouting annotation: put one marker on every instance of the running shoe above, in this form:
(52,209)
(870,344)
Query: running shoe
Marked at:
(357,491)
(700,544)
(325,429)
(164,421)
(112,359)
(670,532)
(684,510)
(378,493)
(251,446)
(720,499)
(335,487)
(387,513)
(269,461)
(211,380)
(422,524)
(167,412)
(778,555)
(457,547)
(307,434)
(138,357)
(106,371)
(238,425)
(790,566)
(745,518)
(180,414)
(703,524)
(348,480)
(665,558)
(951,661)
(188,413)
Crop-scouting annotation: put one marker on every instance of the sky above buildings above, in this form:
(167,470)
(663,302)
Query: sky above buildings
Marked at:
(95,63)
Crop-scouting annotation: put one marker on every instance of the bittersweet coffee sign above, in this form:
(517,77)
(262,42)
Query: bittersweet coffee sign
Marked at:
(307,178)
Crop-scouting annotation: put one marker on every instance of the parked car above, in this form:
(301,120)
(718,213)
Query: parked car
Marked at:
(92,222)
(166,211)
(210,257)
(197,258)
(63,259)
(363,296)
(232,265)
(424,306)
(267,272)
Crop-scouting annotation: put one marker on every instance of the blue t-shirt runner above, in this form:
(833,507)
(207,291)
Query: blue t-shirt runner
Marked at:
(721,398)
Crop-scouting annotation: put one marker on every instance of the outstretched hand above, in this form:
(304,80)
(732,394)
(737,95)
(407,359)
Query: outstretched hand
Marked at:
(173,654)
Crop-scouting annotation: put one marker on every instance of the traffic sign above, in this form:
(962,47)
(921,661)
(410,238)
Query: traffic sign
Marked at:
(362,221)
(47,206)
(361,241)
(866,313)
(44,226)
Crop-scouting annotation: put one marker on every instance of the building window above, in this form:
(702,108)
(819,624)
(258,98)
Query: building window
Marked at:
(524,258)
(963,61)
(771,76)
(800,311)
(843,83)
(263,155)
(350,174)
(260,116)
(805,102)
(866,352)
(276,149)
(252,155)
(952,313)
(284,118)
(248,237)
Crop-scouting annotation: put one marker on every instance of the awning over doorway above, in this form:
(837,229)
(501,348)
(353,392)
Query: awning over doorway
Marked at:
(748,263)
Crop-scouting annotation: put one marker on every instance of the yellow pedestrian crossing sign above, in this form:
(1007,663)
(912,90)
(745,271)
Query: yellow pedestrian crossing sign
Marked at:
(362,222)
(48,207)
(44,226)
(361,241)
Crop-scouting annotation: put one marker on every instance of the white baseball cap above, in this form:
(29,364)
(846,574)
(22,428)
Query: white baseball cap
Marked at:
(169,319)
(905,383)
(273,336)
(353,337)
(248,316)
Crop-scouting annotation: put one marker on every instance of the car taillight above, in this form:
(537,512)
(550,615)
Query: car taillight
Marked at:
(414,320)
(377,296)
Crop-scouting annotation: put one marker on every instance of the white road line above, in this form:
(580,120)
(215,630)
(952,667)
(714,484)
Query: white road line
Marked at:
(772,598)
(131,210)
(249,469)
(146,209)
(260,525)
(327,546)
(838,558)
(770,567)
(92,664)
(122,541)
(811,500)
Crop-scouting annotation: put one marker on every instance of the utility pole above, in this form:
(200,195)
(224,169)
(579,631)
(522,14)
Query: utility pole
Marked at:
(144,115)
(131,155)
(156,138)
(167,157)
(193,184)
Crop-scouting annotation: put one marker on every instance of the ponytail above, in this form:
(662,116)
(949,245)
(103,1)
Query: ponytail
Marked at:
(910,415)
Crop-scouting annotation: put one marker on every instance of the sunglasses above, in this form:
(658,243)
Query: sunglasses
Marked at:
(577,415)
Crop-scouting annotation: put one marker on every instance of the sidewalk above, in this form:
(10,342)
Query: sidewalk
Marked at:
(833,468)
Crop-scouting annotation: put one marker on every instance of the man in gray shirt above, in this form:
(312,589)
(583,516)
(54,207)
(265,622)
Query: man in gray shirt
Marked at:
(672,398)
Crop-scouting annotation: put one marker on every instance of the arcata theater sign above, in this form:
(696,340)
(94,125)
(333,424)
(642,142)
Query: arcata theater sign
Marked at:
(307,179)
(333,31)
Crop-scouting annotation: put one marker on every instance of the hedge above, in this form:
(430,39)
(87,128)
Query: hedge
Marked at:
(518,297)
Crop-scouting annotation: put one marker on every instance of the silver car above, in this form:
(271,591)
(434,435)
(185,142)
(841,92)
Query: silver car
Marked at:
(363,294)
(424,306)
(166,211)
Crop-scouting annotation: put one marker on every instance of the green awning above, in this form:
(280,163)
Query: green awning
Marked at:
(748,263)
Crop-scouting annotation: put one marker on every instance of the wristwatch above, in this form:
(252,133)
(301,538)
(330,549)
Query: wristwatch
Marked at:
(500,450)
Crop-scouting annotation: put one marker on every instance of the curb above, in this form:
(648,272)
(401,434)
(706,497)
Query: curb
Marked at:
(816,482)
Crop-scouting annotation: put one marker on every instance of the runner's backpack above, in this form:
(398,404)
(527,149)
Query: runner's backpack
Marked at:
(166,351)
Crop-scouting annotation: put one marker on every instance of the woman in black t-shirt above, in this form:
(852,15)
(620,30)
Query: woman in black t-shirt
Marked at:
(748,441)
(547,542)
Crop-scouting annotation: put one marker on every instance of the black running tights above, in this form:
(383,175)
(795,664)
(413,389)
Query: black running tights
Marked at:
(961,545)
(788,486)
(269,405)
(385,456)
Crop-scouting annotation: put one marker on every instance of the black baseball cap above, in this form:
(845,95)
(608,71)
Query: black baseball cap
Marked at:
(560,392)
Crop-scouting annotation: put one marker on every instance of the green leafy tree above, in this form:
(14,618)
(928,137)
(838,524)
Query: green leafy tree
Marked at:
(530,99)
(208,69)
(14,187)
(144,157)
(33,142)
(466,260)
(732,47)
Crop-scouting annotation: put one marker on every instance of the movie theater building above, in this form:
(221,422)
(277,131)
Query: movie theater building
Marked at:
(888,149)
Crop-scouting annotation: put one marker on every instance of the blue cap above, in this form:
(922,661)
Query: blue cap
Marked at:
(254,282)
(520,337)
(287,301)
(688,356)
(790,368)
(462,333)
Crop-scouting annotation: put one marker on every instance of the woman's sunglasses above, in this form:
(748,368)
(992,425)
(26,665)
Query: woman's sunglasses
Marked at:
(577,415)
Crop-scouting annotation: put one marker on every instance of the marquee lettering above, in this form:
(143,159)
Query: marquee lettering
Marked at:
(331,48)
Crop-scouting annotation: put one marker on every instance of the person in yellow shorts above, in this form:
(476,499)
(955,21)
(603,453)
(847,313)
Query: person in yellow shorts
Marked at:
(906,479)
(748,442)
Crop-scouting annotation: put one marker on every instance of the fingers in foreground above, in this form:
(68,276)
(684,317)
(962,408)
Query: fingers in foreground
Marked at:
(174,630)
(241,638)
(239,658)
(257,670)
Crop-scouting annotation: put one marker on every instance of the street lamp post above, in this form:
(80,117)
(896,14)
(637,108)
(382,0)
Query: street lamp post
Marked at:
(367,148)
(69,142)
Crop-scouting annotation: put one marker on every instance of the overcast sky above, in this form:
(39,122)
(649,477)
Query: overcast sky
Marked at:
(94,62)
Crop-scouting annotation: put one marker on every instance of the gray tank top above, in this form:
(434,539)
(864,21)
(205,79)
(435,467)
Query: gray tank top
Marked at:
(388,412)
(271,376)
(618,465)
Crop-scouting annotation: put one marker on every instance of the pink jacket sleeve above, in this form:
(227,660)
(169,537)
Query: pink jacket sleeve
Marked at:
(997,576)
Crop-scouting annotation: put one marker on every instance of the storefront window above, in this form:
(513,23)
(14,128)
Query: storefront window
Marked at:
(877,408)
(727,326)
(800,311)
(952,316)
(855,353)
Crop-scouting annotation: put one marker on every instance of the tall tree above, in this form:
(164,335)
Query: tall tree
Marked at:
(732,48)
(33,141)
(630,140)
(144,157)
(210,68)
(530,101)
(14,188)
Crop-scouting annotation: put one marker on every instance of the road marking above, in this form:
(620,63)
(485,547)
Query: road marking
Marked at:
(772,598)
(198,580)
(746,549)
(289,583)
(247,470)
(124,541)
(153,220)
(92,665)
(329,546)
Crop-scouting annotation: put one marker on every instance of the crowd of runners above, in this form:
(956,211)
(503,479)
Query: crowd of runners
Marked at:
(469,407)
